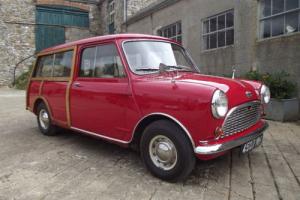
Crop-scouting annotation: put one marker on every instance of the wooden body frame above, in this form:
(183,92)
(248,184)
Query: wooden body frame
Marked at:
(57,79)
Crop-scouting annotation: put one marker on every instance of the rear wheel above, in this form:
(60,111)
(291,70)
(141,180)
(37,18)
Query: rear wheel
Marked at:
(44,121)
(167,151)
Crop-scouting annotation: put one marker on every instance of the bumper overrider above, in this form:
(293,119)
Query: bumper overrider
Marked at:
(219,148)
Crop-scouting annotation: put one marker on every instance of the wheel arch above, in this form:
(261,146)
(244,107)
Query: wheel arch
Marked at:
(39,100)
(150,118)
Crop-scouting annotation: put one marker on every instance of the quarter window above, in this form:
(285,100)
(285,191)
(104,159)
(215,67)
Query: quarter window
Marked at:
(101,62)
(55,65)
(62,64)
(45,66)
(279,17)
(172,31)
(218,30)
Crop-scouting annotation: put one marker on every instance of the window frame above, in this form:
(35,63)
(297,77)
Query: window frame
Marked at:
(111,15)
(177,23)
(285,12)
(80,53)
(51,78)
(54,59)
(225,29)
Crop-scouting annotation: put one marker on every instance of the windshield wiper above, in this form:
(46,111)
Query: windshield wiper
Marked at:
(146,69)
(163,67)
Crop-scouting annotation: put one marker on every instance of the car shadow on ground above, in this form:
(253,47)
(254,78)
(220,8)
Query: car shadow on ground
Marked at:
(86,145)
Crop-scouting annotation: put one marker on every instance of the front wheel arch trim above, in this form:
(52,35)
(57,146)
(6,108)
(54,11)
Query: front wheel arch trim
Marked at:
(166,116)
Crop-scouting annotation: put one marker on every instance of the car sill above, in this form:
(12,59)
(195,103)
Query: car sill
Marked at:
(100,136)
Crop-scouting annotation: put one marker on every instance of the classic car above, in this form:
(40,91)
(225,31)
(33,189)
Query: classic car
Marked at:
(146,92)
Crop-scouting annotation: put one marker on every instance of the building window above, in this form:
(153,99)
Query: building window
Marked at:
(111,17)
(218,30)
(279,17)
(172,31)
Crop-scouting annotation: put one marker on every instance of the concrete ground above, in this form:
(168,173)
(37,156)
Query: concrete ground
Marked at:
(74,166)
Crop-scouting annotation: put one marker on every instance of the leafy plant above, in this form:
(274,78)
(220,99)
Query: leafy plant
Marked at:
(280,85)
(253,75)
(22,80)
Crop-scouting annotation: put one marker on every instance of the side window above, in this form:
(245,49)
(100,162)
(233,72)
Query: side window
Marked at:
(62,64)
(44,66)
(101,62)
(180,56)
(88,62)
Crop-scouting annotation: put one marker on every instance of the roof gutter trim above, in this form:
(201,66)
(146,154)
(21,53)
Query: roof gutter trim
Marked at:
(149,10)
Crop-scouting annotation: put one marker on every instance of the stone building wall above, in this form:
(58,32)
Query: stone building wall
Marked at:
(17,32)
(119,16)
(122,12)
(134,6)
(16,36)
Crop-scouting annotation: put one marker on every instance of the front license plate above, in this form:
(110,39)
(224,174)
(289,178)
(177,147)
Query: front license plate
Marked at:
(249,146)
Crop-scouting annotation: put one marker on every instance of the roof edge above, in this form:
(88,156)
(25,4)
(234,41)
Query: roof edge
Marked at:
(102,39)
(149,10)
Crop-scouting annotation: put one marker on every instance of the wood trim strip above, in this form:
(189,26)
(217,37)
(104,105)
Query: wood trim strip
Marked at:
(43,53)
(28,84)
(62,79)
(41,88)
(69,88)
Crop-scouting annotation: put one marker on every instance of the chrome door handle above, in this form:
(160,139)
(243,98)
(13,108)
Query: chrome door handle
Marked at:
(77,84)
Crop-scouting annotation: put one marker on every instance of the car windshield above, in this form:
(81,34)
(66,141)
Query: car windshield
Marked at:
(146,57)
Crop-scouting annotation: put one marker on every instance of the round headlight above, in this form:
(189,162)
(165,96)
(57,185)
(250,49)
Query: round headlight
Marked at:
(265,94)
(219,104)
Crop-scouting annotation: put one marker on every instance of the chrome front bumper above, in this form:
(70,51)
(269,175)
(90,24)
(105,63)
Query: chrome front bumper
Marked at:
(218,148)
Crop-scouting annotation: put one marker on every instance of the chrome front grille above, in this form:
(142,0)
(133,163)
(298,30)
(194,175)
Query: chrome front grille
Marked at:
(242,117)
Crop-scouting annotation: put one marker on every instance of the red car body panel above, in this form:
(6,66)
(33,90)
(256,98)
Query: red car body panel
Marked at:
(112,108)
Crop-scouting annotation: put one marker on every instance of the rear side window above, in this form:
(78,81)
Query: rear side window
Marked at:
(101,62)
(62,64)
(44,66)
(55,65)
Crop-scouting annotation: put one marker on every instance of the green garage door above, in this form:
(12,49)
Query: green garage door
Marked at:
(51,22)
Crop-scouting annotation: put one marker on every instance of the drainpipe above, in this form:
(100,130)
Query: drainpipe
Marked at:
(125,13)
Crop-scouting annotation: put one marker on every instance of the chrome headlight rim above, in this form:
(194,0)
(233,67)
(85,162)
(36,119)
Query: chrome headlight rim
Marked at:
(219,104)
(265,94)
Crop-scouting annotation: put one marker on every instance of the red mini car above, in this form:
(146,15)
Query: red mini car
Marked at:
(146,91)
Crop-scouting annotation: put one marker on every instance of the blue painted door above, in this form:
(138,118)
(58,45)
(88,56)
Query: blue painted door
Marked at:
(51,22)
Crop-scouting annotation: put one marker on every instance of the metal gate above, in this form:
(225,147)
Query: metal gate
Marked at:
(51,22)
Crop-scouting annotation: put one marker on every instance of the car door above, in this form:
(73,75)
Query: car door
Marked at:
(100,93)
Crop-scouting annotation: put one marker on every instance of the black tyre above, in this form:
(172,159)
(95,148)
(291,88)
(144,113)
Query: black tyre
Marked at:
(44,121)
(167,151)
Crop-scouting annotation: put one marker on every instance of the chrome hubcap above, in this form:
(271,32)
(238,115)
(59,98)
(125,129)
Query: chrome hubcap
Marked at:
(44,119)
(163,152)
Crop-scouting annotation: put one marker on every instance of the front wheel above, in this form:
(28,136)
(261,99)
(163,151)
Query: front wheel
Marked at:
(44,121)
(167,151)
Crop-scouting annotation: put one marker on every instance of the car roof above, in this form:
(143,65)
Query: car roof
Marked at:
(103,38)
